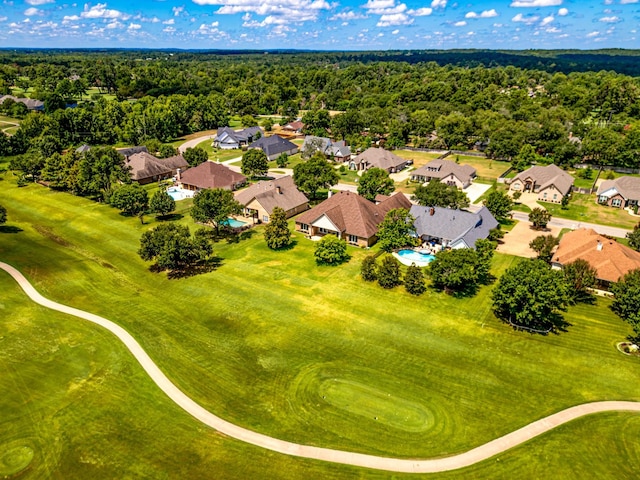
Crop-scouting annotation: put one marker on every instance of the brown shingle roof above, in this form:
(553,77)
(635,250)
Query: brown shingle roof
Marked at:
(280,192)
(547,176)
(212,175)
(379,157)
(440,168)
(353,214)
(144,165)
(177,161)
(628,187)
(611,261)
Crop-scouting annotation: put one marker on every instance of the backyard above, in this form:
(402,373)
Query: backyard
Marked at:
(268,341)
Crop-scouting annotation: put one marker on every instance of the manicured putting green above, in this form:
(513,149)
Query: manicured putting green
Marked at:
(372,403)
(14,460)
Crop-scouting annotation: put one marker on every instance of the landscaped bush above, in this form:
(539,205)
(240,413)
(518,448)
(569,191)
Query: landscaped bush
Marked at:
(331,250)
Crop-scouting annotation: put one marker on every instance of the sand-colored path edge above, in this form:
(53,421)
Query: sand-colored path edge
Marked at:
(454,462)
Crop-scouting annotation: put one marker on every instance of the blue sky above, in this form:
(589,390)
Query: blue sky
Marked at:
(321,24)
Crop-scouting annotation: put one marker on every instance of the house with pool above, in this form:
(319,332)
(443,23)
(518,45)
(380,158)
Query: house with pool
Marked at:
(441,228)
(210,175)
(349,216)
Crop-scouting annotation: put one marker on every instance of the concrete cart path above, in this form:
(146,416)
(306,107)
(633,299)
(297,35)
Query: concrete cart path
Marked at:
(453,462)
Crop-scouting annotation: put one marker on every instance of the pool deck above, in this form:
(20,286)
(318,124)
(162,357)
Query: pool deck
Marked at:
(407,262)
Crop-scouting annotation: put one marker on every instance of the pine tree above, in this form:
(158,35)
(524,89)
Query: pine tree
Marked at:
(277,233)
(414,280)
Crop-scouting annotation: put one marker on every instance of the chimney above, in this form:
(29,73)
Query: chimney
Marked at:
(330,193)
(599,247)
(278,189)
(178,174)
(432,211)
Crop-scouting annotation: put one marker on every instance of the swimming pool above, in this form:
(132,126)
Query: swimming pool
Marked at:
(233,223)
(408,257)
(178,193)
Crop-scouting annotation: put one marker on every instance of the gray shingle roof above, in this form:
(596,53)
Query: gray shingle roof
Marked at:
(628,187)
(273,145)
(453,225)
(441,168)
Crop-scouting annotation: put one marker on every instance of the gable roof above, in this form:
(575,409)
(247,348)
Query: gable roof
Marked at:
(128,151)
(273,145)
(353,214)
(379,157)
(327,146)
(212,175)
(144,165)
(440,168)
(280,192)
(294,126)
(238,135)
(546,176)
(612,260)
(452,224)
(628,187)
(177,161)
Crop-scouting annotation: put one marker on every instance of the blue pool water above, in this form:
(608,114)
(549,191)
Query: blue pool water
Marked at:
(178,193)
(413,256)
(233,223)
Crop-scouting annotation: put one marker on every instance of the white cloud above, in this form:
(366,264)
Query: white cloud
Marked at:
(38,2)
(4,19)
(171,21)
(421,12)
(485,14)
(625,2)
(461,23)
(346,16)
(535,3)
(134,26)
(394,19)
(101,11)
(114,24)
(169,29)
(546,20)
(563,12)
(395,32)
(30,12)
(522,19)
(613,19)
(438,3)
(177,11)
(593,34)
(279,12)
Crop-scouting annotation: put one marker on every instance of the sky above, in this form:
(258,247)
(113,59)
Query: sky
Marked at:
(321,24)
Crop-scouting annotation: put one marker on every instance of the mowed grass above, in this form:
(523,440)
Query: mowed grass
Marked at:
(262,339)
(583,208)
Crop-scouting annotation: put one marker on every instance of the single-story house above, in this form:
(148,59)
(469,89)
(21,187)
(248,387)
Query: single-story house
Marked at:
(349,216)
(611,259)
(261,198)
(550,182)
(31,103)
(226,138)
(210,175)
(621,192)
(338,151)
(175,163)
(128,151)
(274,146)
(294,127)
(450,228)
(446,171)
(380,158)
(145,168)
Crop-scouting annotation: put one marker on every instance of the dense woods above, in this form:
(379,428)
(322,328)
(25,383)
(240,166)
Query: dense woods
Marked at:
(453,100)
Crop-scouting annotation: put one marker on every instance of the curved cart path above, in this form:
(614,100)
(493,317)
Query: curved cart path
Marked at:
(461,460)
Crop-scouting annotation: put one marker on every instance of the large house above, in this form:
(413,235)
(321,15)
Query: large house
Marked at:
(126,152)
(449,228)
(274,146)
(227,138)
(338,151)
(621,192)
(349,216)
(261,198)
(379,158)
(446,171)
(210,175)
(145,168)
(611,259)
(550,182)
(31,103)
(294,127)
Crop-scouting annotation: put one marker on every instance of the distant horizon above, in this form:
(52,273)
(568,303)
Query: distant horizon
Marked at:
(321,25)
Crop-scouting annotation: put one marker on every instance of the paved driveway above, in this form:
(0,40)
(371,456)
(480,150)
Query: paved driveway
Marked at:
(516,242)
(476,190)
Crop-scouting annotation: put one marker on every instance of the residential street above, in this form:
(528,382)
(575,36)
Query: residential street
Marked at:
(574,225)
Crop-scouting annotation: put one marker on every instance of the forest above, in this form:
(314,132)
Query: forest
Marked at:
(554,105)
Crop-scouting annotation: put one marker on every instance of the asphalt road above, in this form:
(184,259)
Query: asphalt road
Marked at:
(573,225)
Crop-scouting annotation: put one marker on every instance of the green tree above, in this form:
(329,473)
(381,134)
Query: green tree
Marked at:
(539,218)
(131,199)
(3,215)
(314,174)
(282,160)
(368,270)
(214,207)
(373,182)
(248,121)
(173,248)
(543,245)
(99,169)
(525,158)
(580,277)
(331,250)
(395,230)
(255,163)
(195,156)
(634,238)
(456,271)
(161,203)
(267,124)
(627,299)
(166,151)
(499,204)
(389,272)
(438,194)
(485,249)
(414,280)
(277,233)
(531,295)
(496,234)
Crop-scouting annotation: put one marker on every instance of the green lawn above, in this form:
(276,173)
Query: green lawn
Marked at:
(218,153)
(419,158)
(260,341)
(584,208)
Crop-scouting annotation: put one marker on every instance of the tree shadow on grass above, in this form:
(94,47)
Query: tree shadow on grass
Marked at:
(286,248)
(555,324)
(10,229)
(236,237)
(172,217)
(192,270)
